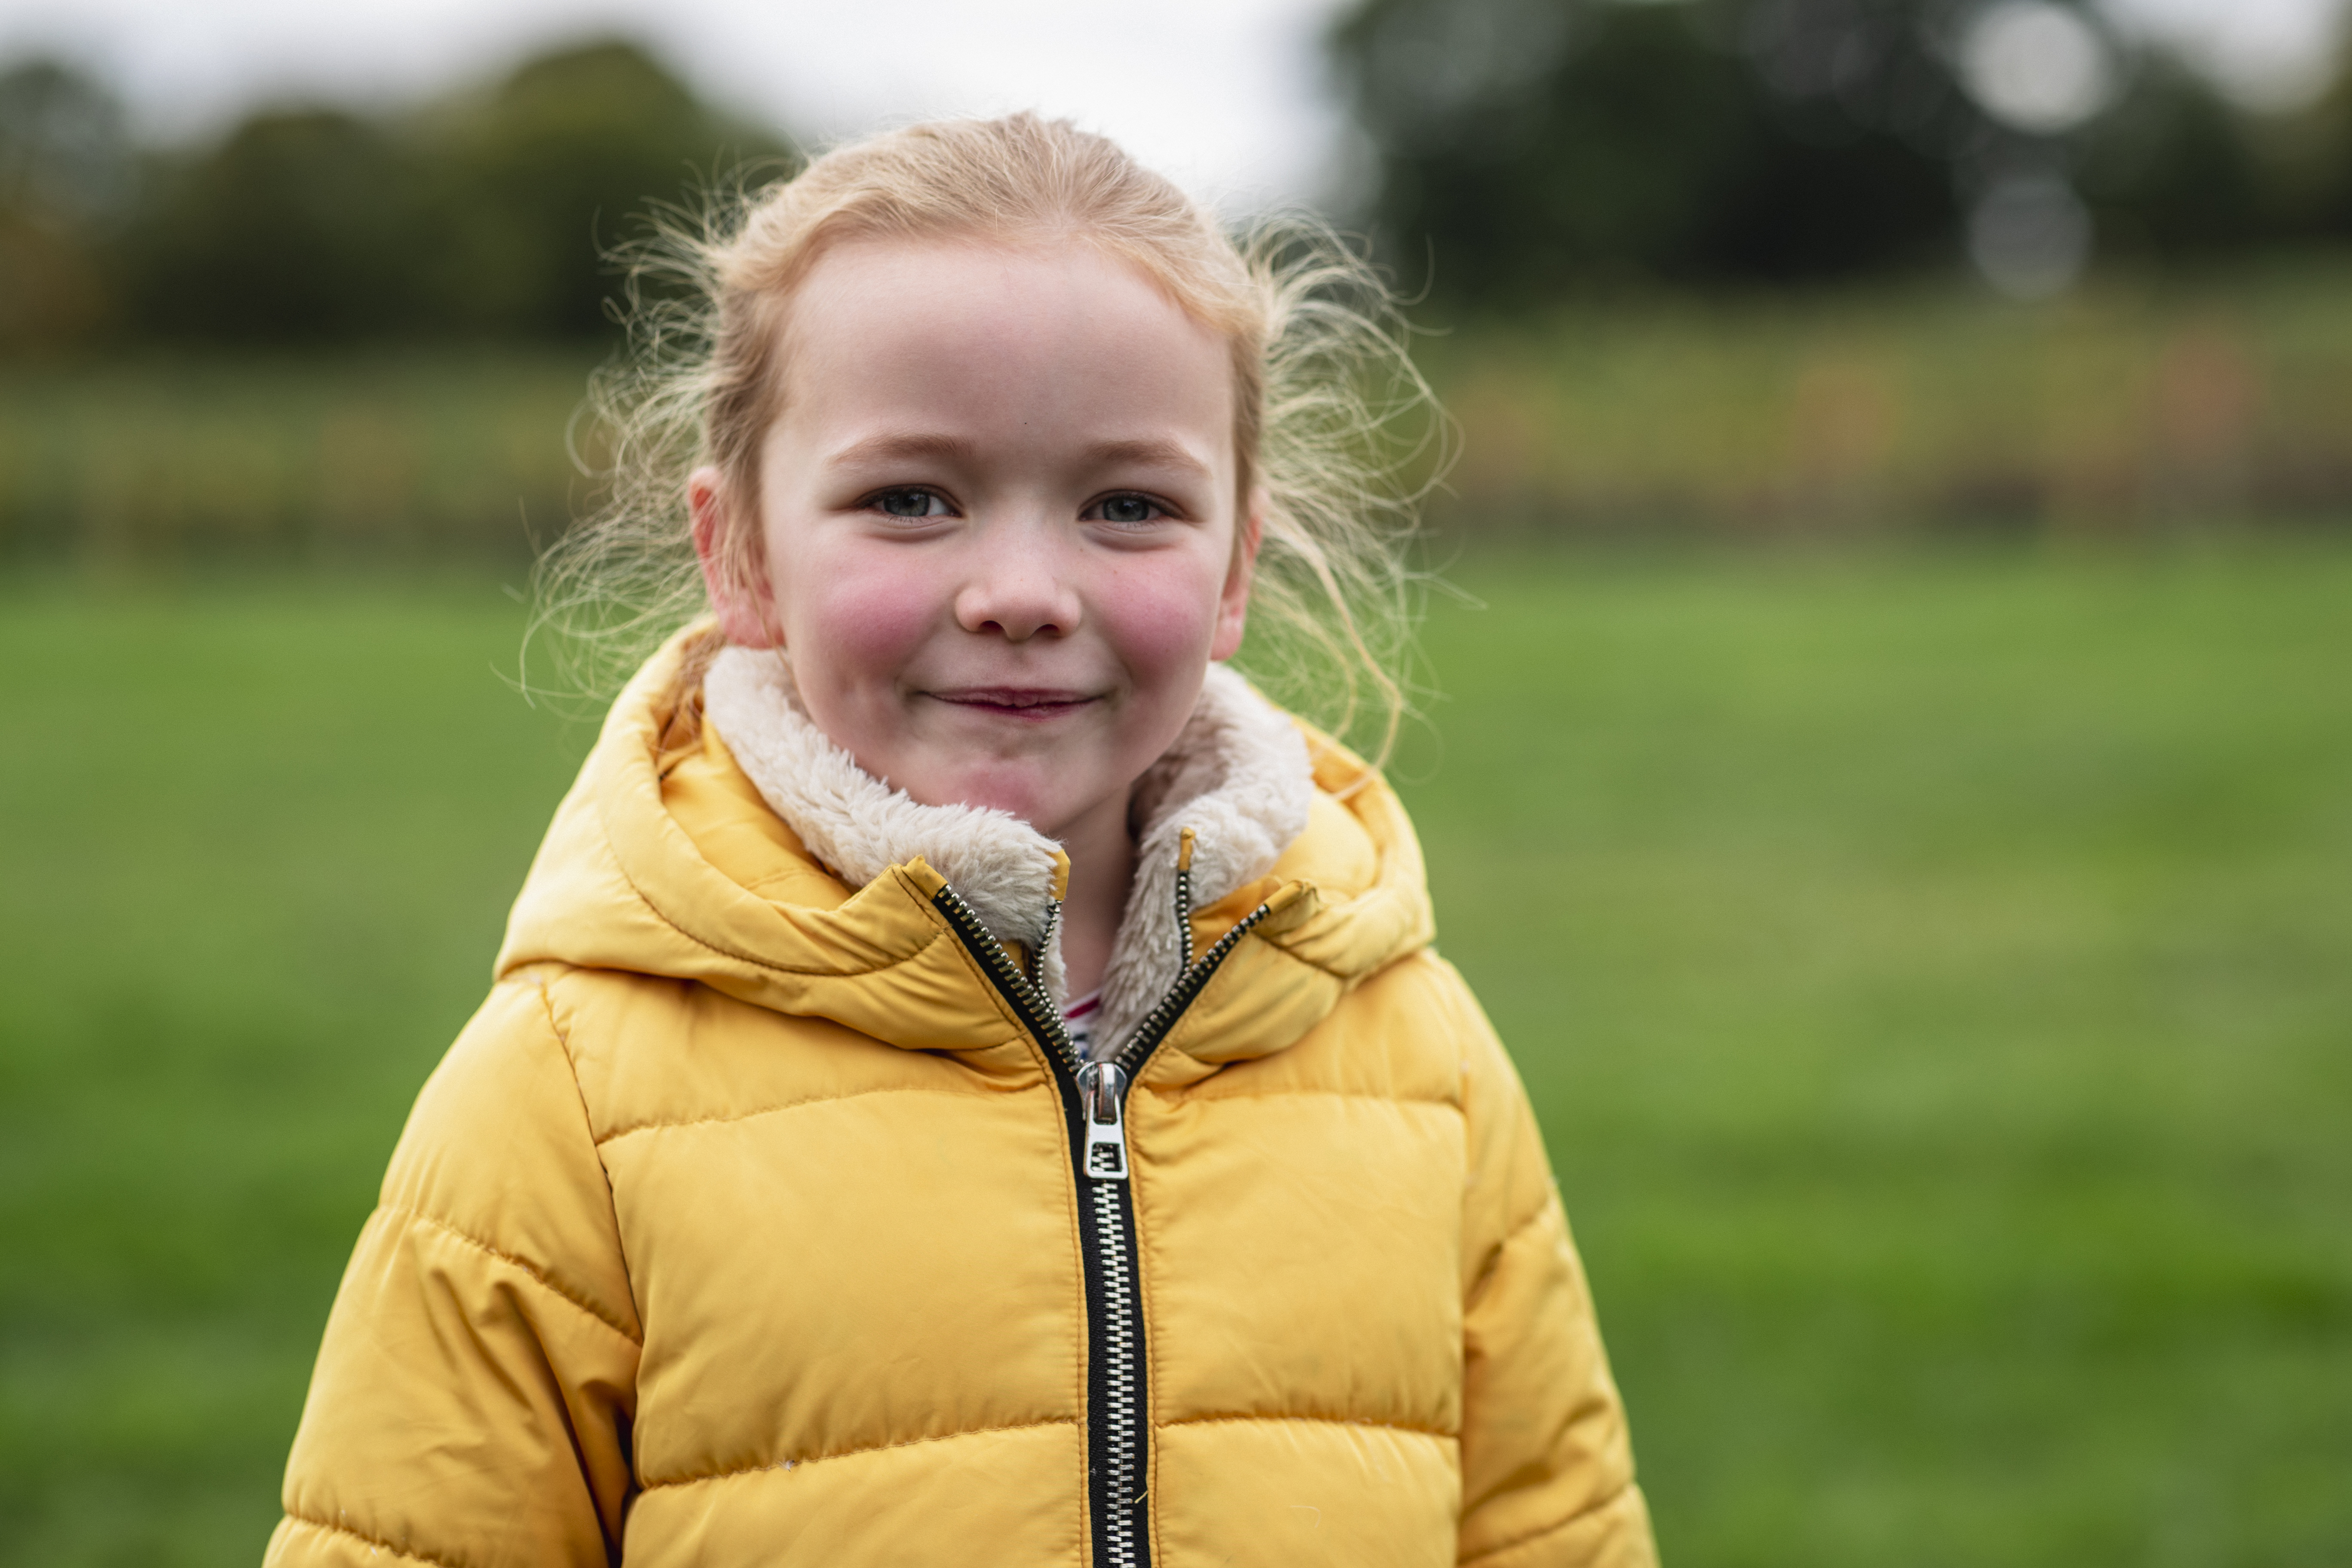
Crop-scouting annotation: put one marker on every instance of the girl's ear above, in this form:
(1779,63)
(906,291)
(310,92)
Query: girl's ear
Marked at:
(745,610)
(1233,599)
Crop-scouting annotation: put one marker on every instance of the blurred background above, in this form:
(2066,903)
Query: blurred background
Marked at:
(1886,759)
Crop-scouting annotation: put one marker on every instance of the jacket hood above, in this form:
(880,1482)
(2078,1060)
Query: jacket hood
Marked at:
(750,854)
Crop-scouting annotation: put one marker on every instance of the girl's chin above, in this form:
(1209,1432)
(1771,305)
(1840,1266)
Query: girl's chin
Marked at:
(1046,803)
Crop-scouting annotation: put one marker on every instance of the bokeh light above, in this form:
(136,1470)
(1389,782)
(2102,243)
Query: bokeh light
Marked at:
(2030,235)
(2037,67)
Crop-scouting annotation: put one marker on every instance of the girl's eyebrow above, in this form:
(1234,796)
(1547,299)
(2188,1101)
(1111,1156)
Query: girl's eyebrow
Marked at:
(887,449)
(1148,452)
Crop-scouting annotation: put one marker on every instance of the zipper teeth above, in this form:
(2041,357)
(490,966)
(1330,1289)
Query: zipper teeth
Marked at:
(1030,994)
(1119,1286)
(1027,996)
(1161,1018)
(1045,941)
(1122,1330)
(1184,917)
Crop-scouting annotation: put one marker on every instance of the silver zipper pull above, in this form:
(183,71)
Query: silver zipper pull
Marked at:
(1100,1089)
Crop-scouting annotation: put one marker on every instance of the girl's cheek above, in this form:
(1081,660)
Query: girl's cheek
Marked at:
(1163,620)
(864,616)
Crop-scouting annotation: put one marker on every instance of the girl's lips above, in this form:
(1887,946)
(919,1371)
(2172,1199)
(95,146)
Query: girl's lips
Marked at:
(1015,702)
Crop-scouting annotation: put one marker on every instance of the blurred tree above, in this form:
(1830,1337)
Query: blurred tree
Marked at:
(2172,170)
(299,226)
(1529,144)
(1532,141)
(2305,158)
(534,185)
(487,216)
(68,178)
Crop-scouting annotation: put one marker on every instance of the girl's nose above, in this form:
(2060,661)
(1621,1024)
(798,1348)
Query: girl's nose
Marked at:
(1019,587)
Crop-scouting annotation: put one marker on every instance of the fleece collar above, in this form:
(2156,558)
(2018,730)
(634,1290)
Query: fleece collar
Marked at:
(1238,777)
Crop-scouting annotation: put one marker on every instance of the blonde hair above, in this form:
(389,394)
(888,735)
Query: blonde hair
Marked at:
(1329,413)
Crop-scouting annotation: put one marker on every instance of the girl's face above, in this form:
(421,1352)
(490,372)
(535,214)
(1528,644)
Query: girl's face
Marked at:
(1002,535)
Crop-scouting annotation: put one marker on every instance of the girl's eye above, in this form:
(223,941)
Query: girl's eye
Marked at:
(1128,509)
(910,503)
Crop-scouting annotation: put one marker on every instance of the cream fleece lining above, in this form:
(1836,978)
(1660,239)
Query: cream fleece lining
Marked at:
(1238,776)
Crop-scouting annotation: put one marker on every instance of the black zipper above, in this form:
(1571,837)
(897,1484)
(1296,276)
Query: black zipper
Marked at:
(1093,1103)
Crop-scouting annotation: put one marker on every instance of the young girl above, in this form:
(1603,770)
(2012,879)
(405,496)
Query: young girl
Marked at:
(968,1079)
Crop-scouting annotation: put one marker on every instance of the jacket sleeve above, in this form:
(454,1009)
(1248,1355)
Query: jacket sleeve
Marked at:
(1547,1468)
(472,1400)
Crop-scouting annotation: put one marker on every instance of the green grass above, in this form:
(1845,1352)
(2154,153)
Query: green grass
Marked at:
(1934,980)
(258,842)
(1932,973)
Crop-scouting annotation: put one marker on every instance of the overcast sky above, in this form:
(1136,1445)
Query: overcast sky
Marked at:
(1225,95)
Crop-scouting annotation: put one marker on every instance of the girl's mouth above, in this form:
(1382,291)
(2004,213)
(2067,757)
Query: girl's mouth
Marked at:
(1019,702)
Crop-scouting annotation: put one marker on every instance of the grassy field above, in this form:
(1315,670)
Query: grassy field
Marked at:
(2134,405)
(1932,973)
(365,458)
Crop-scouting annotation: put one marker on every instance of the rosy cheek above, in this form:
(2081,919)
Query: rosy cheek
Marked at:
(1161,620)
(855,617)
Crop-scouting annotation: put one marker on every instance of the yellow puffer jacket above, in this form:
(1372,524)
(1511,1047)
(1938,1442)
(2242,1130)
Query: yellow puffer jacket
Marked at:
(759,1219)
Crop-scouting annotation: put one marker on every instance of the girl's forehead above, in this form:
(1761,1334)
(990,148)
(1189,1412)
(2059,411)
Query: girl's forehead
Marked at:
(1029,277)
(997,333)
